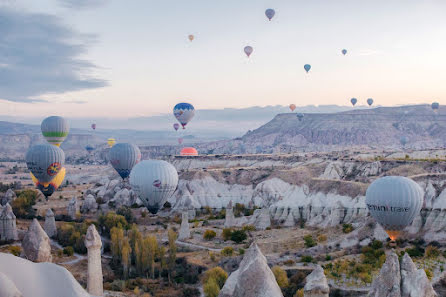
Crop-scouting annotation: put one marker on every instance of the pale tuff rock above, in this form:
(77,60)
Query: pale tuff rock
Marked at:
(37,279)
(289,222)
(9,197)
(50,223)
(387,283)
(253,270)
(414,282)
(184,229)
(93,244)
(229,218)
(89,204)
(8,288)
(261,219)
(8,228)
(72,208)
(333,171)
(316,284)
(284,215)
(36,244)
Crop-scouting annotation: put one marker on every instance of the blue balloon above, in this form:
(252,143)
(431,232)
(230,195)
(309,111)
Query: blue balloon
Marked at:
(353,101)
(184,112)
(270,13)
(435,105)
(344,51)
(307,67)
(89,148)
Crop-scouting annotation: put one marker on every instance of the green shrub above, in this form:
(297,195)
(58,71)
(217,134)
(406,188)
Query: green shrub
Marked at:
(69,251)
(126,212)
(241,251)
(306,259)
(226,234)
(415,252)
(432,252)
(211,288)
(249,228)
(281,277)
(216,273)
(309,241)
(347,228)
(327,257)
(227,251)
(110,220)
(15,250)
(209,234)
(22,206)
(238,236)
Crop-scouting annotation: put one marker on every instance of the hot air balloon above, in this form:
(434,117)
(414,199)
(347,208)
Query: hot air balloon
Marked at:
(93,126)
(89,148)
(111,142)
(45,161)
(292,107)
(176,126)
(184,112)
(188,151)
(180,140)
(55,129)
(248,50)
(154,181)
(403,140)
(435,106)
(307,67)
(270,13)
(344,51)
(300,116)
(191,37)
(394,201)
(123,156)
(353,101)
(48,189)
(370,101)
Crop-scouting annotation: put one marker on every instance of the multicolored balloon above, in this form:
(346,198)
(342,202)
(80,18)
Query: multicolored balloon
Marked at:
(45,161)
(248,50)
(353,101)
(154,181)
(48,189)
(370,101)
(394,201)
(344,52)
(270,13)
(55,129)
(184,112)
(307,67)
(189,151)
(176,126)
(292,107)
(123,156)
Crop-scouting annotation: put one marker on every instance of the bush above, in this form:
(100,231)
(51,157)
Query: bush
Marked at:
(299,293)
(238,236)
(281,277)
(110,220)
(72,234)
(327,257)
(22,206)
(69,251)
(211,288)
(322,238)
(347,228)
(432,252)
(309,241)
(241,251)
(209,234)
(216,273)
(126,212)
(429,273)
(15,250)
(226,234)
(415,252)
(249,228)
(227,251)
(306,259)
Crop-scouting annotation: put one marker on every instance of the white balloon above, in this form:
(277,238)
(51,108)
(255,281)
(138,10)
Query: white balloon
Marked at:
(154,181)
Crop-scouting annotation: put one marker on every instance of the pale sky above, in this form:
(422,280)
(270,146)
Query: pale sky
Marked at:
(139,61)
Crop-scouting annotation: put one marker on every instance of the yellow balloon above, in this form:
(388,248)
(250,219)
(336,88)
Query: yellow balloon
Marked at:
(48,188)
(111,142)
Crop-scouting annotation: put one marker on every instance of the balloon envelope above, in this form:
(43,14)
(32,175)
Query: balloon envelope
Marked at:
(353,101)
(403,140)
(154,181)
(394,201)
(292,107)
(191,37)
(370,101)
(180,140)
(189,151)
(55,129)
(344,52)
(435,106)
(307,67)
(248,50)
(123,156)
(184,112)
(93,126)
(48,189)
(111,142)
(300,116)
(45,161)
(176,126)
(270,13)
(89,148)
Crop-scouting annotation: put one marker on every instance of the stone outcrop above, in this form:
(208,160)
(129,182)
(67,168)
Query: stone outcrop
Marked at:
(405,280)
(50,224)
(8,197)
(289,221)
(184,229)
(89,204)
(73,208)
(8,288)
(261,219)
(253,270)
(316,284)
(8,228)
(229,218)
(93,244)
(36,244)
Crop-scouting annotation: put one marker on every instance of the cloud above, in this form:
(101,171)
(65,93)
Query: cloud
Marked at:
(76,102)
(39,55)
(81,4)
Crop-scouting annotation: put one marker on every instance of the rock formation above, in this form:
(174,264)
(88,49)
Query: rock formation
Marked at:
(316,284)
(229,218)
(253,270)
(36,244)
(184,229)
(89,204)
(93,244)
(50,223)
(262,219)
(72,208)
(405,280)
(289,222)
(8,228)
(8,197)
(8,288)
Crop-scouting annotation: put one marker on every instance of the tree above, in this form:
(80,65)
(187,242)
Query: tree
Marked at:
(151,244)
(238,236)
(216,273)
(172,236)
(134,236)
(281,277)
(211,288)
(162,258)
(117,236)
(125,256)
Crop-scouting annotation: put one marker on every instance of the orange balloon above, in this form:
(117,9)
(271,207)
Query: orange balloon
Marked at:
(188,151)
(292,107)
